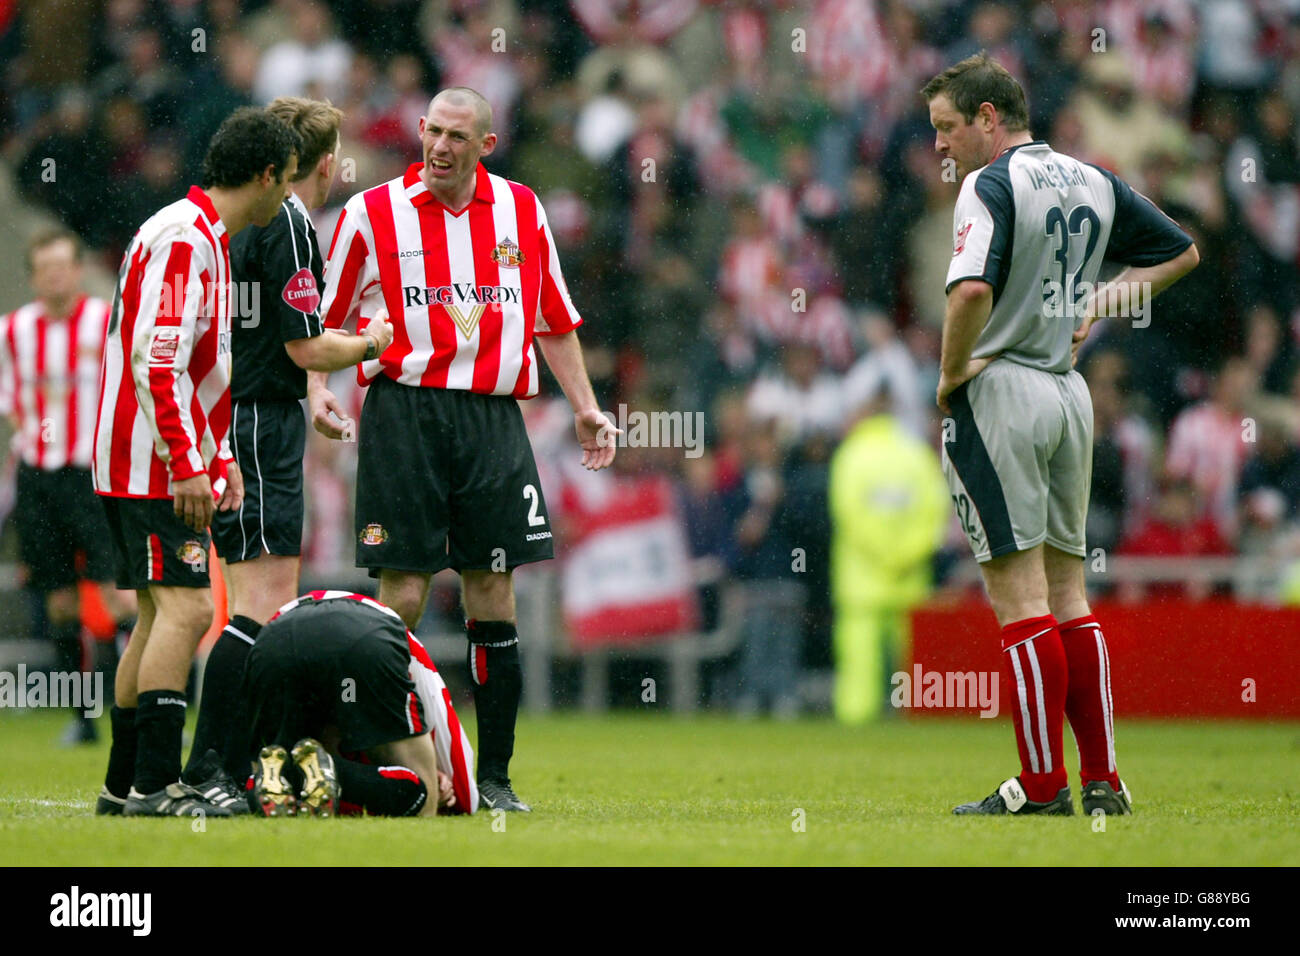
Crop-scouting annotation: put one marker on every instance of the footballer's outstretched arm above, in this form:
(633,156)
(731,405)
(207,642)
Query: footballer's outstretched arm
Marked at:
(334,350)
(596,433)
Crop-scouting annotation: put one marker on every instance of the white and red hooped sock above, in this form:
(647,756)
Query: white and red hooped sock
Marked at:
(1034,667)
(1088,701)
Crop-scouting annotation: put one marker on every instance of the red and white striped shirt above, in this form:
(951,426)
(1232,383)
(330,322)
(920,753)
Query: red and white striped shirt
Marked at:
(466,292)
(164,408)
(1206,446)
(49,381)
(451,744)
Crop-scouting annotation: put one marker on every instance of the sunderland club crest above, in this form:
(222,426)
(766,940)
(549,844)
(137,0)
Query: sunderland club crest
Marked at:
(507,254)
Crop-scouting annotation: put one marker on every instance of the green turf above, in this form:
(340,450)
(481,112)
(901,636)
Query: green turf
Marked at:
(649,789)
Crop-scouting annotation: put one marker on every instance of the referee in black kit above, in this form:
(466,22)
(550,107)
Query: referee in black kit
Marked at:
(278,268)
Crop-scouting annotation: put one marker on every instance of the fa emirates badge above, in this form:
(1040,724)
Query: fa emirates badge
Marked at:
(300,292)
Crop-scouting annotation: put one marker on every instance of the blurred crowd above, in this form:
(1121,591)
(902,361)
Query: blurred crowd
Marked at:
(753,220)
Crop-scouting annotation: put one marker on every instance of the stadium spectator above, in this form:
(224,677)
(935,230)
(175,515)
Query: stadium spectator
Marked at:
(799,397)
(312,63)
(1262,173)
(766,532)
(1209,442)
(1124,453)
(888,367)
(1269,492)
(888,509)
(1177,527)
(1120,124)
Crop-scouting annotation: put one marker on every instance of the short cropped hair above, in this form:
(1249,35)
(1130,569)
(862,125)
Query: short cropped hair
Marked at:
(981,79)
(48,237)
(317,122)
(464,96)
(248,141)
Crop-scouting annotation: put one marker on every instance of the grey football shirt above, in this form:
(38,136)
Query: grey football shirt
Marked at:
(1037,225)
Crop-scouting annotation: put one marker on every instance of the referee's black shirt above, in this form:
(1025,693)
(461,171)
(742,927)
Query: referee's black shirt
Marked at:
(276,299)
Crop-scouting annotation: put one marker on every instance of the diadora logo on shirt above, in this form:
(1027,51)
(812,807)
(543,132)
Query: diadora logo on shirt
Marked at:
(464,301)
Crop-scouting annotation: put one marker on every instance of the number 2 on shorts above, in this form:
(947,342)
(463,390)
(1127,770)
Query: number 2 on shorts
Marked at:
(534,519)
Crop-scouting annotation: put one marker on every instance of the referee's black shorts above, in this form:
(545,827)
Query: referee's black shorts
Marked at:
(268,440)
(446,478)
(57,516)
(332,667)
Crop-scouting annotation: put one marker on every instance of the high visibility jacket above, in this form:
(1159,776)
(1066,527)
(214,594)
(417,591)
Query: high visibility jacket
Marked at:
(889,506)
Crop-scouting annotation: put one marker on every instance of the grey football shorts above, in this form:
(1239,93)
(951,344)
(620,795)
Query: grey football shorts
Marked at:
(1017,453)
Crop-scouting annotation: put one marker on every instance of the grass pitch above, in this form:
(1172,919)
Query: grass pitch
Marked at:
(649,789)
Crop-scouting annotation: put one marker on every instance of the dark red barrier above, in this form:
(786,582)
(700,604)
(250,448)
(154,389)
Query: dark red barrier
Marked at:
(1170,658)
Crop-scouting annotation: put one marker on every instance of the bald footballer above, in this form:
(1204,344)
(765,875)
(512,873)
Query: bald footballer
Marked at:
(465,264)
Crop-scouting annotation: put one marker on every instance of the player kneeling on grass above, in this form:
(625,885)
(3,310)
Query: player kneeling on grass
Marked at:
(349,714)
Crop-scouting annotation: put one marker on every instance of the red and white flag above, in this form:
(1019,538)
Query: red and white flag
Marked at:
(627,573)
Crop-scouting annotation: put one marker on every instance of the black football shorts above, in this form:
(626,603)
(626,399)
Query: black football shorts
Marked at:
(152,546)
(446,478)
(57,517)
(332,667)
(268,441)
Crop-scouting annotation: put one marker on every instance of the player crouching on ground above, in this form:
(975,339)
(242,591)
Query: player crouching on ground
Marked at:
(349,714)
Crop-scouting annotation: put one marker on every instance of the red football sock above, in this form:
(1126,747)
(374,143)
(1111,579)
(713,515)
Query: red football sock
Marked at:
(1088,703)
(1034,667)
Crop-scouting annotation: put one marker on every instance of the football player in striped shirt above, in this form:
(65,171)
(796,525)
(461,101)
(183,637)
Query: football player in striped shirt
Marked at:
(162,459)
(275,270)
(347,713)
(464,263)
(1030,231)
(50,352)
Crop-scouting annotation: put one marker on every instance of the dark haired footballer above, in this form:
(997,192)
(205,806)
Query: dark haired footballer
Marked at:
(1030,230)
(162,461)
(276,267)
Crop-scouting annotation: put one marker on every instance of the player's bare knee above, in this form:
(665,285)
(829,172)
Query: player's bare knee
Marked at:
(1066,588)
(189,609)
(263,585)
(488,595)
(405,593)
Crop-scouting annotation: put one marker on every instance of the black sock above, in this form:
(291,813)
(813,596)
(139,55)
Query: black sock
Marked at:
(159,724)
(69,652)
(106,658)
(498,684)
(220,709)
(121,755)
(113,649)
(386,792)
